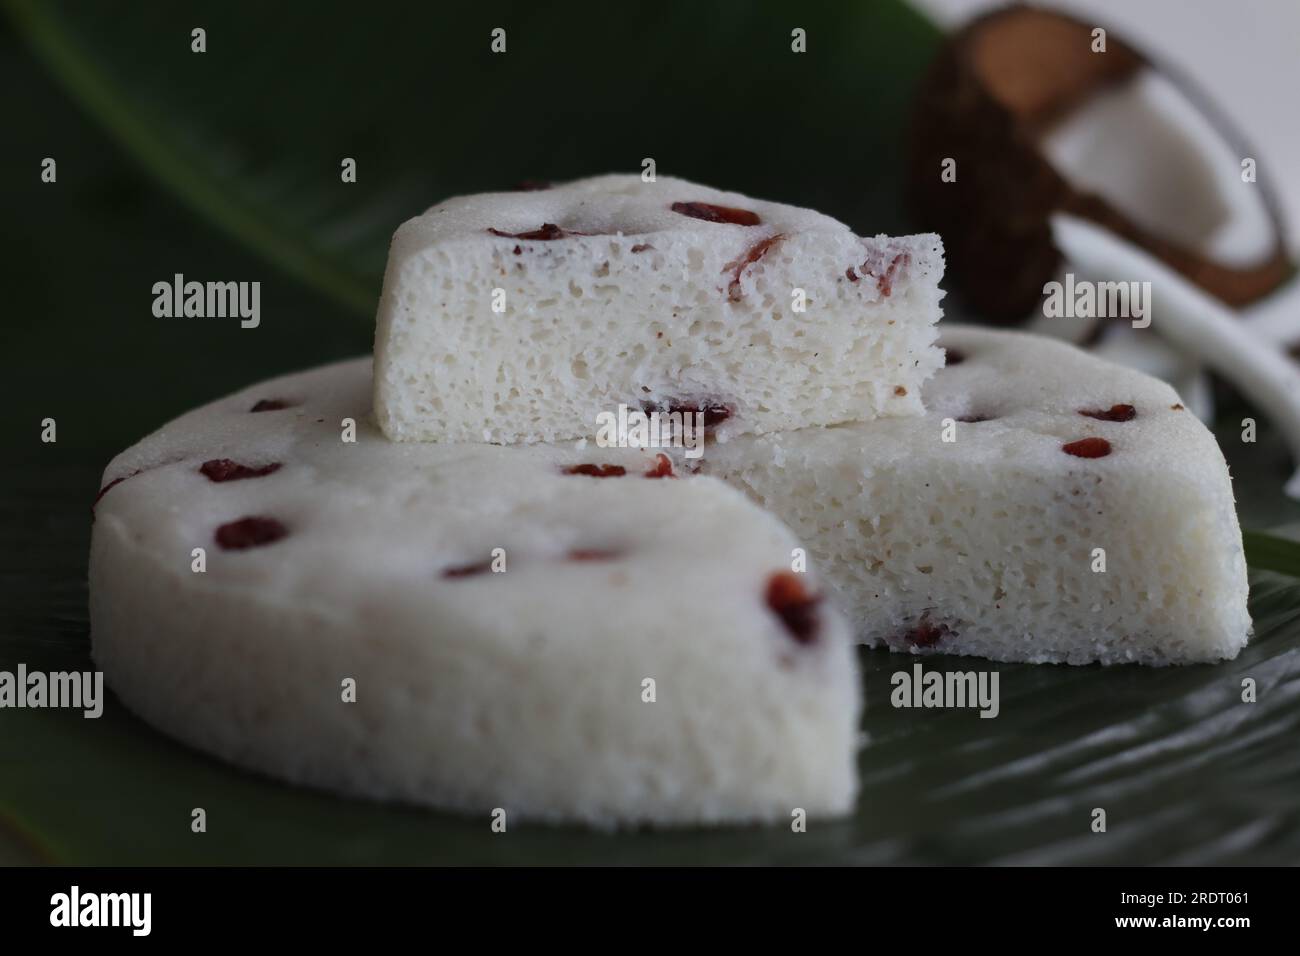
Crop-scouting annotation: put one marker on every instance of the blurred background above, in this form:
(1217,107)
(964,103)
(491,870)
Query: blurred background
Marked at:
(225,166)
(1244,53)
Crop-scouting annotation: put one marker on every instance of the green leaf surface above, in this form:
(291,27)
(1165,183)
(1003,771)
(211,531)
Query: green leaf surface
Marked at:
(1270,552)
(248,137)
(1187,771)
(252,132)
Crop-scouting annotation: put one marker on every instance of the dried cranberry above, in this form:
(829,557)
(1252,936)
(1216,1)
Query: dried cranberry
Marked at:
(900,391)
(251,532)
(711,213)
(796,608)
(737,266)
(546,233)
(593,554)
(885,282)
(852,276)
(103,491)
(642,247)
(269,405)
(467,570)
(1087,448)
(112,484)
(662,468)
(927,634)
(117,481)
(884,274)
(223,469)
(597,471)
(1116,413)
(715,413)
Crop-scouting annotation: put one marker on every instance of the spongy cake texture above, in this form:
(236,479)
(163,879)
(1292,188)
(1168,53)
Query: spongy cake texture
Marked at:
(474,690)
(519,317)
(994,543)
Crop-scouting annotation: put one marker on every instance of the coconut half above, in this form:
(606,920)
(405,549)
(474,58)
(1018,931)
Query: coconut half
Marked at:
(1038,122)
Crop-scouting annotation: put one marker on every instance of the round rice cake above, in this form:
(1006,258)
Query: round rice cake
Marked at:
(562,634)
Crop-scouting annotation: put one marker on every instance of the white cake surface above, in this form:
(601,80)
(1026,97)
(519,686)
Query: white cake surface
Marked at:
(632,301)
(474,690)
(986,545)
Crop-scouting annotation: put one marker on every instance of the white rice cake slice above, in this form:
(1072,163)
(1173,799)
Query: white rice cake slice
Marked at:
(329,561)
(663,296)
(993,544)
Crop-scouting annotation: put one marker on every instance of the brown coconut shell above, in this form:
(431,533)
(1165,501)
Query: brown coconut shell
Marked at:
(995,86)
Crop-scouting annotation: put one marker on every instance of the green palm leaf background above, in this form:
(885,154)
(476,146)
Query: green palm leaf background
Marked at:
(225,165)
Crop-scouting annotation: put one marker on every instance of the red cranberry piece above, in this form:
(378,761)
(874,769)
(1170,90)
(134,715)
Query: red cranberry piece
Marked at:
(1116,413)
(852,276)
(593,554)
(1087,448)
(546,233)
(467,570)
(796,608)
(927,634)
(642,247)
(711,213)
(223,469)
(251,532)
(662,468)
(103,491)
(715,413)
(112,484)
(737,267)
(597,471)
(900,391)
(532,185)
(885,281)
(884,273)
(117,481)
(269,405)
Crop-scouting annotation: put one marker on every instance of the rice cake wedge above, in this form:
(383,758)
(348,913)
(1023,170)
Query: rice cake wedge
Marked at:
(520,317)
(1079,513)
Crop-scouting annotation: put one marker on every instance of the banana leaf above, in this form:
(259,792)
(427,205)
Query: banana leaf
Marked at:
(227,163)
